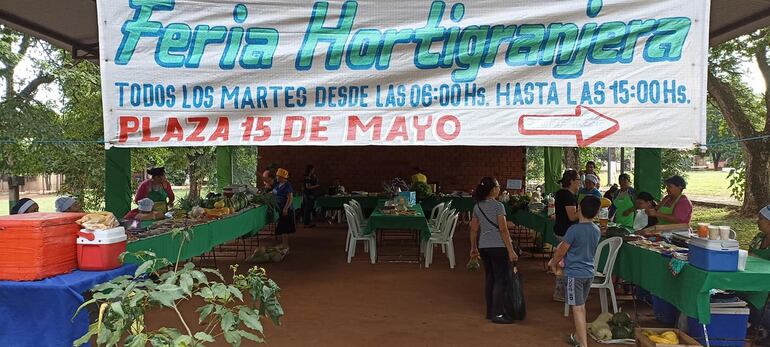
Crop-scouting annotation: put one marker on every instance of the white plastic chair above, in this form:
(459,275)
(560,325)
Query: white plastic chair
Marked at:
(445,239)
(603,279)
(357,220)
(440,220)
(434,213)
(356,234)
(359,212)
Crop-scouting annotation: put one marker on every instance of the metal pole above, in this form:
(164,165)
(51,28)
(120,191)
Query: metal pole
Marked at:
(610,167)
(622,160)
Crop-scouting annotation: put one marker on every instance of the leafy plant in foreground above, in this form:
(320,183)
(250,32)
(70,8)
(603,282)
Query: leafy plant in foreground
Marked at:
(232,311)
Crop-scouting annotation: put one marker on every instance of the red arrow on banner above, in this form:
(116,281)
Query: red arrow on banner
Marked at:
(588,127)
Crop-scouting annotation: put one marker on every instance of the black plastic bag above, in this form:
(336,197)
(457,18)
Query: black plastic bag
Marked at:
(515,306)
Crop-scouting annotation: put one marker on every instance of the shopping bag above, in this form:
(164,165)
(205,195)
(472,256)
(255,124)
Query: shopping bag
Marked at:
(515,306)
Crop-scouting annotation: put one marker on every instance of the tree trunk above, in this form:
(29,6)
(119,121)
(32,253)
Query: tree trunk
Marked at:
(716,157)
(193,172)
(757,194)
(572,158)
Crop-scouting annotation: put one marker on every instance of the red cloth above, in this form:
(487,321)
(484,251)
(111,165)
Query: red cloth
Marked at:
(131,214)
(144,190)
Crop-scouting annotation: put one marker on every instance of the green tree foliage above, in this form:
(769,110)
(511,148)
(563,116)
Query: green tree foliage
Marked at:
(535,164)
(747,115)
(675,162)
(721,141)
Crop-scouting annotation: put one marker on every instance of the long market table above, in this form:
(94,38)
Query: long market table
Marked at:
(42,313)
(539,222)
(689,290)
(204,237)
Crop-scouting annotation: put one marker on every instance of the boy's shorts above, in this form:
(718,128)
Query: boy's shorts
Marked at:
(577,290)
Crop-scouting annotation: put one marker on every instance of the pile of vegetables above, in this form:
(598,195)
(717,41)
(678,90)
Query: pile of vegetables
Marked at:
(612,327)
(421,189)
(519,202)
(666,337)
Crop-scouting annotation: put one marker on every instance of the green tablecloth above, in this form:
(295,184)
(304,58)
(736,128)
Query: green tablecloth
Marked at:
(540,223)
(204,237)
(336,202)
(689,291)
(378,220)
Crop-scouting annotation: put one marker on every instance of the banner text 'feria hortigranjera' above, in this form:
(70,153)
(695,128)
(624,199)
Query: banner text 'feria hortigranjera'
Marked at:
(438,44)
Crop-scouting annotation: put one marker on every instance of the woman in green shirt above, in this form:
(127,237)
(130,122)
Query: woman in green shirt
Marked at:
(760,246)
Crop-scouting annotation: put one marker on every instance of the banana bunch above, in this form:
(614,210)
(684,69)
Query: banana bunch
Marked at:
(667,338)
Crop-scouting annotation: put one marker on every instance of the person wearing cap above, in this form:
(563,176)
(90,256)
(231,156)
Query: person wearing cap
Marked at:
(675,208)
(25,205)
(589,188)
(283,193)
(760,245)
(156,188)
(68,204)
(590,169)
(143,212)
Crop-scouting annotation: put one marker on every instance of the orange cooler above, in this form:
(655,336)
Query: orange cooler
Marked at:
(38,245)
(100,250)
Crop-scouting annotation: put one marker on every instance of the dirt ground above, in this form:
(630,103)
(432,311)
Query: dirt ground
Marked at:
(329,302)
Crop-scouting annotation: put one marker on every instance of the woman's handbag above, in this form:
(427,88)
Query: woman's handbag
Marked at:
(515,306)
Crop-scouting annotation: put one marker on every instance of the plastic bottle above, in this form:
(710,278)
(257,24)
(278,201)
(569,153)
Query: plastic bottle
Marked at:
(551,206)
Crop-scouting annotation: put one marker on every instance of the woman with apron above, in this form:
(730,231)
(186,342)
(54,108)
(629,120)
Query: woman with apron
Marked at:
(157,189)
(675,208)
(625,202)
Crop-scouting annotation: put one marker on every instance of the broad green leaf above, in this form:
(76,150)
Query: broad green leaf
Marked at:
(117,307)
(228,321)
(139,340)
(205,311)
(103,336)
(201,336)
(171,333)
(199,276)
(183,341)
(206,293)
(87,337)
(213,271)
(166,298)
(89,302)
(138,296)
(220,291)
(250,336)
(189,266)
(186,282)
(236,292)
(233,338)
(251,320)
(144,268)
(169,287)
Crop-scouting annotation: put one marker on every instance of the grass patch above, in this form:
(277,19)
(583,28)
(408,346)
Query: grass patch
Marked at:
(708,183)
(745,227)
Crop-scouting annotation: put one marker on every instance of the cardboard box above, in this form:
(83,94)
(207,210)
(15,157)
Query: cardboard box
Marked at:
(684,339)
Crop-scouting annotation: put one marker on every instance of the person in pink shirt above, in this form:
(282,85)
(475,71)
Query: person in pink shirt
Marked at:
(157,188)
(675,208)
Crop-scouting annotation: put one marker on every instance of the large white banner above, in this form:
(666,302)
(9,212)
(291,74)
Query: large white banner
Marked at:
(372,72)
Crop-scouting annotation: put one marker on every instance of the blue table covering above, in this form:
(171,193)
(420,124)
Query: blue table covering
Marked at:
(39,313)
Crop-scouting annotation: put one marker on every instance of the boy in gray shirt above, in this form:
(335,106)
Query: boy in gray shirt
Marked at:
(577,250)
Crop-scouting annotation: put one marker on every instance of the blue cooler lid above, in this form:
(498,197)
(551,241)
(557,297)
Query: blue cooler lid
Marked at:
(715,245)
